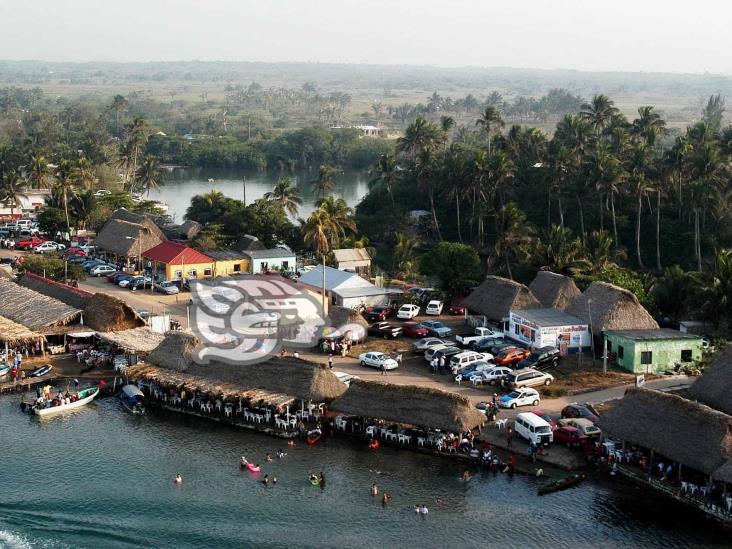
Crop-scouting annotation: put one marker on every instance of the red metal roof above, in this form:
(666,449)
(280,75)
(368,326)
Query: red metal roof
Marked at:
(170,252)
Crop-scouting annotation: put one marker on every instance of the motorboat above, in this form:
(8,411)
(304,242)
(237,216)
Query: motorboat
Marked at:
(132,399)
(85,397)
(40,371)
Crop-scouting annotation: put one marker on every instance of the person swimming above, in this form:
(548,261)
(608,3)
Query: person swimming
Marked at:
(281,454)
(268,458)
(321,479)
(178,479)
(265,480)
(291,443)
(385,499)
(274,480)
(243,462)
(423,510)
(374,490)
(416,508)
(466,475)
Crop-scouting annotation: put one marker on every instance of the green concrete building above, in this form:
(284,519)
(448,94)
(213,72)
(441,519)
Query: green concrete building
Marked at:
(652,351)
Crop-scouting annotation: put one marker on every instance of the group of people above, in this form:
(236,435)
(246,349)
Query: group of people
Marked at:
(44,399)
(336,347)
(438,365)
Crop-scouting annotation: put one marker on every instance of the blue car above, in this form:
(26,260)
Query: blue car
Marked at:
(436,328)
(519,397)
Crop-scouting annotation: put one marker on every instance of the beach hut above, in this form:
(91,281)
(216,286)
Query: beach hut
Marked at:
(175,351)
(134,340)
(553,290)
(714,387)
(13,334)
(497,296)
(608,307)
(33,309)
(423,407)
(126,235)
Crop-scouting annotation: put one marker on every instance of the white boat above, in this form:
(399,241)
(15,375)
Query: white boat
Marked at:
(132,399)
(85,397)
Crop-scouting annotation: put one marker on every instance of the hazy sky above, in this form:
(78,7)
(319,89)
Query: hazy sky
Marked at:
(648,35)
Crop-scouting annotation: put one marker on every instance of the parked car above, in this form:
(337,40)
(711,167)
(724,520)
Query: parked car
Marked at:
(457,310)
(479,333)
(429,354)
(437,328)
(89,263)
(527,378)
(512,355)
(73,251)
(408,311)
(493,374)
(119,277)
(498,348)
(533,428)
(379,313)
(126,281)
(76,260)
(585,426)
(139,283)
(577,410)
(542,358)
(29,243)
(377,360)
(465,359)
(487,344)
(519,397)
(427,342)
(167,287)
(434,307)
(48,246)
(484,370)
(448,352)
(102,270)
(110,276)
(546,417)
(102,192)
(385,330)
(414,329)
(571,436)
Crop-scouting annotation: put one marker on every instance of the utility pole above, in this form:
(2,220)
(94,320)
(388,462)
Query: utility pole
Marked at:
(324,311)
(592,336)
(604,355)
(244,190)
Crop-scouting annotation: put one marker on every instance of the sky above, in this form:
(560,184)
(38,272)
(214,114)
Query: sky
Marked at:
(610,35)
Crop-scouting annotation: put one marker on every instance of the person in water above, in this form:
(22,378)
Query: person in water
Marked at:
(178,479)
(274,480)
(321,479)
(374,490)
(243,461)
(265,480)
(423,510)
(291,443)
(281,454)
(466,475)
(385,499)
(314,478)
(268,458)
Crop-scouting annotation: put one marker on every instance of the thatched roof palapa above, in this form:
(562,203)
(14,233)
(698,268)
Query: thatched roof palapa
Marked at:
(32,309)
(106,313)
(74,297)
(410,405)
(142,339)
(12,332)
(612,308)
(553,290)
(685,431)
(497,296)
(175,351)
(714,386)
(128,234)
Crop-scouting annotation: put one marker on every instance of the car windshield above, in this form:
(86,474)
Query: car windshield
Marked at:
(437,325)
(513,394)
(543,429)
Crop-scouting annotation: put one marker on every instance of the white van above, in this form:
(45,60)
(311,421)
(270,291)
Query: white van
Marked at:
(533,428)
(468,358)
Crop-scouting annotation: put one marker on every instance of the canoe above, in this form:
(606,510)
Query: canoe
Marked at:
(561,484)
(4,369)
(85,397)
(40,371)
(314,436)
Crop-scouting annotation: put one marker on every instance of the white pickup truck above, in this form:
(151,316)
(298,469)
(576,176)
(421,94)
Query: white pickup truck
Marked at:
(480,333)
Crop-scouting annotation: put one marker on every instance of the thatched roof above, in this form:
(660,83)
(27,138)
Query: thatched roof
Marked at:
(612,307)
(714,387)
(32,309)
(410,405)
(497,296)
(553,290)
(175,352)
(12,332)
(128,234)
(143,339)
(340,316)
(74,297)
(685,431)
(107,313)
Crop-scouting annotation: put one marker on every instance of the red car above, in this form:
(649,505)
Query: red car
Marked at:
(579,411)
(379,313)
(546,417)
(512,355)
(457,310)
(28,243)
(571,436)
(110,276)
(71,252)
(414,329)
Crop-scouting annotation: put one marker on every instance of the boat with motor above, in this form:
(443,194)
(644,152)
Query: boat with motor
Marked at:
(40,371)
(132,399)
(54,406)
(4,369)
(562,484)
(314,436)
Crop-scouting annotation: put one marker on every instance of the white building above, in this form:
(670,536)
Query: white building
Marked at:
(344,288)
(273,259)
(353,259)
(549,327)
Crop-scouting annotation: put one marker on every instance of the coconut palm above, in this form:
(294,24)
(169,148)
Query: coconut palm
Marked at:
(10,187)
(514,237)
(286,195)
(316,232)
(604,170)
(119,104)
(325,183)
(602,251)
(83,205)
(85,173)
(640,180)
(404,255)
(63,186)
(340,218)
(148,175)
(425,167)
(558,250)
(454,175)
(420,135)
(386,171)
(132,149)
(649,125)
(39,172)
(599,112)
(489,120)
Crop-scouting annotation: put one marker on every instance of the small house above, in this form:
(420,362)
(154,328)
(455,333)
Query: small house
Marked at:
(554,291)
(127,234)
(173,261)
(496,297)
(229,262)
(549,327)
(356,260)
(272,259)
(345,289)
(653,351)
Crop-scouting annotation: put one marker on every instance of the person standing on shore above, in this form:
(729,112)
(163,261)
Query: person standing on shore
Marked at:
(509,437)
(330,361)
(383,369)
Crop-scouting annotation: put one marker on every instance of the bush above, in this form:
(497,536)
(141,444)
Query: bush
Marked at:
(51,267)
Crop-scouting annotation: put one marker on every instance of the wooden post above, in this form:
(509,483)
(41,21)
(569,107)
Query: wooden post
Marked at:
(650,465)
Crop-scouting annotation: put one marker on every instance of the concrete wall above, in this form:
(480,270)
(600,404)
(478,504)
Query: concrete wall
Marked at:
(225,267)
(665,353)
(276,263)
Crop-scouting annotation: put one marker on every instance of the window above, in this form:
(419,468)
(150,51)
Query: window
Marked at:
(686,355)
(516,329)
(620,351)
(263,266)
(178,274)
(237,267)
(285,264)
(207,272)
(533,335)
(646,357)
(192,273)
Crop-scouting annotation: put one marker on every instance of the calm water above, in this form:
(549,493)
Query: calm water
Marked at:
(183,184)
(103,478)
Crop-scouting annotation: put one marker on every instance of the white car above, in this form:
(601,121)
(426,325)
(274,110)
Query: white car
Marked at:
(102,192)
(102,270)
(434,307)
(427,342)
(167,287)
(519,397)
(493,375)
(429,354)
(468,358)
(408,312)
(48,246)
(377,360)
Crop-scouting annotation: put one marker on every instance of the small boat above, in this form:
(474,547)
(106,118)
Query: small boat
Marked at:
(85,397)
(314,436)
(252,468)
(4,369)
(40,371)
(562,484)
(132,399)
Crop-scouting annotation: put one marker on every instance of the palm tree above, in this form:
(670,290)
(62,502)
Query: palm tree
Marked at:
(424,168)
(386,171)
(83,205)
(85,172)
(148,176)
(119,104)
(63,186)
(420,135)
(673,290)
(138,133)
(454,176)
(404,258)
(286,195)
(340,218)
(489,120)
(10,187)
(639,176)
(599,112)
(605,169)
(39,172)
(325,183)
(514,236)
(559,251)
(649,125)
(447,123)
(316,232)
(602,251)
